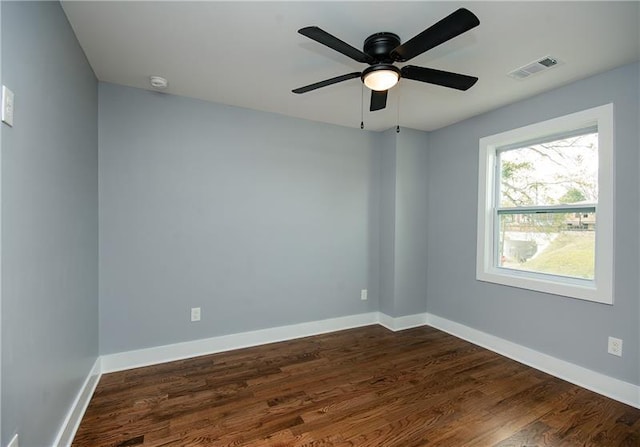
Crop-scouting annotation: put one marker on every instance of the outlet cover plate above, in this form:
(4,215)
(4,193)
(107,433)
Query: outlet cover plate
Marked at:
(615,346)
(195,314)
(363,294)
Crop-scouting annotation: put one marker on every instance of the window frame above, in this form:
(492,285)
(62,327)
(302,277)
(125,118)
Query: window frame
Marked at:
(601,288)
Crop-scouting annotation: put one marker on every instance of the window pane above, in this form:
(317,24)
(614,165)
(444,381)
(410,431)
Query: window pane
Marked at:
(563,171)
(555,243)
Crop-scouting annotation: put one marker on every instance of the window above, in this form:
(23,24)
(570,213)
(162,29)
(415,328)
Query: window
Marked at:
(545,211)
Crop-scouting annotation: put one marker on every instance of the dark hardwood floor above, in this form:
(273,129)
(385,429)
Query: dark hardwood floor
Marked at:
(360,387)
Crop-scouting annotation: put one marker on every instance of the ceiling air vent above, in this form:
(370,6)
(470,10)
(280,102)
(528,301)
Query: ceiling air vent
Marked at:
(534,67)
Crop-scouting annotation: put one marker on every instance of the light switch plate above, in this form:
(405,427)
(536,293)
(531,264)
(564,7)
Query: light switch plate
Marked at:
(7,106)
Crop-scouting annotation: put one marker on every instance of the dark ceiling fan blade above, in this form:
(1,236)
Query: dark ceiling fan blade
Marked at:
(323,37)
(443,78)
(326,82)
(378,100)
(451,26)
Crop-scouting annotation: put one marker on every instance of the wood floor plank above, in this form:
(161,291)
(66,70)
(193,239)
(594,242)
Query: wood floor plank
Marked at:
(361,387)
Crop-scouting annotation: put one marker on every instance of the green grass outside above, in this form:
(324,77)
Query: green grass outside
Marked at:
(570,254)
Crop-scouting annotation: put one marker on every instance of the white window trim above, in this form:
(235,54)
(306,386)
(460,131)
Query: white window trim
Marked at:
(599,290)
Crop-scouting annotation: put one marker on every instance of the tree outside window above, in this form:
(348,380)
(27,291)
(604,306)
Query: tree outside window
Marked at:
(548,192)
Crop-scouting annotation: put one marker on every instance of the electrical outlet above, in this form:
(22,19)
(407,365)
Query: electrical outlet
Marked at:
(615,346)
(14,441)
(363,294)
(195,314)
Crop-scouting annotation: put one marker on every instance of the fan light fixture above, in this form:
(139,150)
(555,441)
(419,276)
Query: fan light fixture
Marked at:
(381,77)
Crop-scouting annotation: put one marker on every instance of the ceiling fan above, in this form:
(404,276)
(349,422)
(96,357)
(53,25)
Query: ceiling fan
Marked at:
(382,50)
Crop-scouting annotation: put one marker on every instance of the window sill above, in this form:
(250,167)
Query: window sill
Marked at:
(556,285)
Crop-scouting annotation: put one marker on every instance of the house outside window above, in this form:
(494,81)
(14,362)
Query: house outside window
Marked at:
(545,215)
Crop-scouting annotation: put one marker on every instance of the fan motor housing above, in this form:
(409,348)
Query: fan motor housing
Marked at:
(379,46)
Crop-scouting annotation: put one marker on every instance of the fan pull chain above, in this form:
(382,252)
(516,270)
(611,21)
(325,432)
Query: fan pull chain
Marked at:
(362,107)
(398,114)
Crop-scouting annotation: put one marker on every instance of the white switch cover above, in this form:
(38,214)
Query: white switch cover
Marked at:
(14,441)
(195,314)
(7,106)
(363,294)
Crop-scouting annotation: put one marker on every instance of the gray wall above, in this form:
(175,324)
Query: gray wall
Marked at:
(411,222)
(566,328)
(387,143)
(259,219)
(49,222)
(403,222)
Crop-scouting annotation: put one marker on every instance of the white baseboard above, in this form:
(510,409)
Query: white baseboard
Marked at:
(401,323)
(76,412)
(619,390)
(167,353)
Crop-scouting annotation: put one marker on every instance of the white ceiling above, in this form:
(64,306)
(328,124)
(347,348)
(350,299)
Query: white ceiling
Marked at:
(249,54)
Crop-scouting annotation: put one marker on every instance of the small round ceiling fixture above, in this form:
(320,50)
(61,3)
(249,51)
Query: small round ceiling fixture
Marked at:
(158,82)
